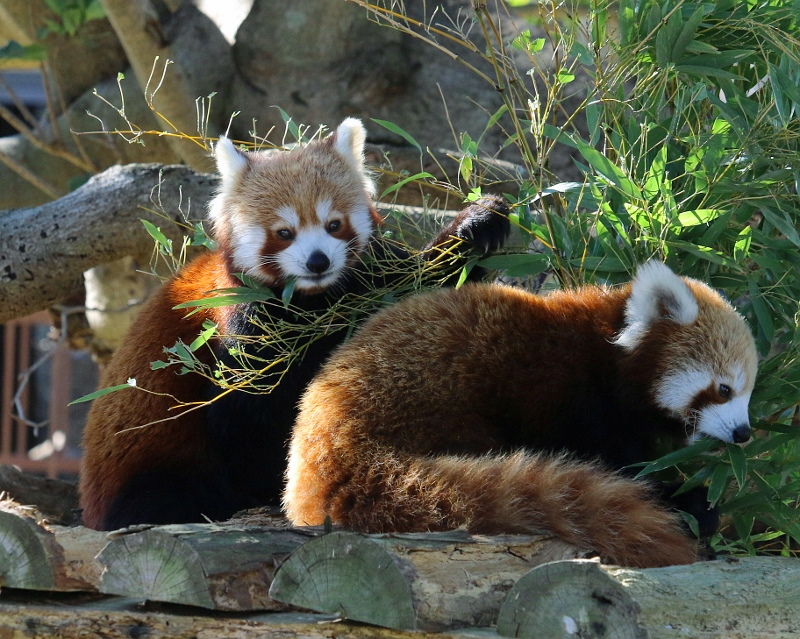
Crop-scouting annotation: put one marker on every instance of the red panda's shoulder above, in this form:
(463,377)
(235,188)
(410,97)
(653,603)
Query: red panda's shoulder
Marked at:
(159,324)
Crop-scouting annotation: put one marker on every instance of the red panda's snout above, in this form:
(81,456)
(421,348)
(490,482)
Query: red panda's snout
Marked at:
(317,255)
(709,404)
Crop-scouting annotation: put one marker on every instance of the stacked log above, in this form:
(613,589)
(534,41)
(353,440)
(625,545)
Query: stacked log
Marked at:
(245,579)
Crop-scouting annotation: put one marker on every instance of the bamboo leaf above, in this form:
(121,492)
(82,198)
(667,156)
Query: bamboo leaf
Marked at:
(703,252)
(157,235)
(738,464)
(676,457)
(411,178)
(608,169)
(391,126)
(689,30)
(15,51)
(102,392)
(699,216)
(780,220)
(229,297)
(203,337)
(718,483)
(288,291)
(517,265)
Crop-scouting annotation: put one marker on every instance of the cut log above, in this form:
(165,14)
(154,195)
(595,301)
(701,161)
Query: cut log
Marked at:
(55,499)
(208,565)
(418,581)
(39,616)
(36,557)
(747,598)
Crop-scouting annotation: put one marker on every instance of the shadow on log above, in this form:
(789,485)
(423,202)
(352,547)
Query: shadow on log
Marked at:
(53,499)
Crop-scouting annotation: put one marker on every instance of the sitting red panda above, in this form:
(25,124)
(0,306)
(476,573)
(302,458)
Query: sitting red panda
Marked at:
(473,407)
(304,216)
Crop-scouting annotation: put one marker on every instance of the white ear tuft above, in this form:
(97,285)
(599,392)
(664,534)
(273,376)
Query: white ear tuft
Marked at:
(349,141)
(230,161)
(656,294)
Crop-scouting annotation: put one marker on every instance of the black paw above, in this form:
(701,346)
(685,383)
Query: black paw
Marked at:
(484,223)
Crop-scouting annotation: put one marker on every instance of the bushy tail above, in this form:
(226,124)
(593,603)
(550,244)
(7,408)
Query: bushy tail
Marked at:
(581,503)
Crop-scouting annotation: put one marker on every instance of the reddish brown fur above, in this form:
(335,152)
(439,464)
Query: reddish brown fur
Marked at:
(382,434)
(116,446)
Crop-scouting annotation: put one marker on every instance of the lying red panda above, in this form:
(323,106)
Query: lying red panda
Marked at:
(304,216)
(454,408)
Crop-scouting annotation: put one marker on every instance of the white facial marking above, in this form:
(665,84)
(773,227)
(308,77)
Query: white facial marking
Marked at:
(676,391)
(720,420)
(292,260)
(363,225)
(739,380)
(288,215)
(324,209)
(248,243)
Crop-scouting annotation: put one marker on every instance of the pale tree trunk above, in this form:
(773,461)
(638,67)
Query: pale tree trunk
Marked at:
(149,45)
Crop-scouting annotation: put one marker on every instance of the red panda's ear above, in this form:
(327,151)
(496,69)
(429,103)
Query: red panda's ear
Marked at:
(348,141)
(656,294)
(230,161)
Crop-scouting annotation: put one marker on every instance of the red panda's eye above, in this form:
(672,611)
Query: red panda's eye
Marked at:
(724,391)
(285,234)
(334,225)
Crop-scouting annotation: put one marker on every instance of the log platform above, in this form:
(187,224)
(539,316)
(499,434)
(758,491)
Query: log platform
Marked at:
(240,579)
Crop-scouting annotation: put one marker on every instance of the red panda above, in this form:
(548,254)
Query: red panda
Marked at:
(489,407)
(304,216)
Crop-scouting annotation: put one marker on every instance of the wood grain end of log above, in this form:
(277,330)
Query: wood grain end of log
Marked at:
(568,599)
(350,575)
(153,566)
(24,561)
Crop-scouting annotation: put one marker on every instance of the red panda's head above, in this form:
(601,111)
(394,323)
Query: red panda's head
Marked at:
(695,350)
(304,214)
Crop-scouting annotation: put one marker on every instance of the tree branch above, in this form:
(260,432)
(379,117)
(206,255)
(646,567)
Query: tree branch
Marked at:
(44,250)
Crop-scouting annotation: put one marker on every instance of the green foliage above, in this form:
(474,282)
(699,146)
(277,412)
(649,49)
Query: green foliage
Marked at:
(71,16)
(688,140)
(693,156)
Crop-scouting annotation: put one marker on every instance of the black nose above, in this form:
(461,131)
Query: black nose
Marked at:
(318,262)
(741,434)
